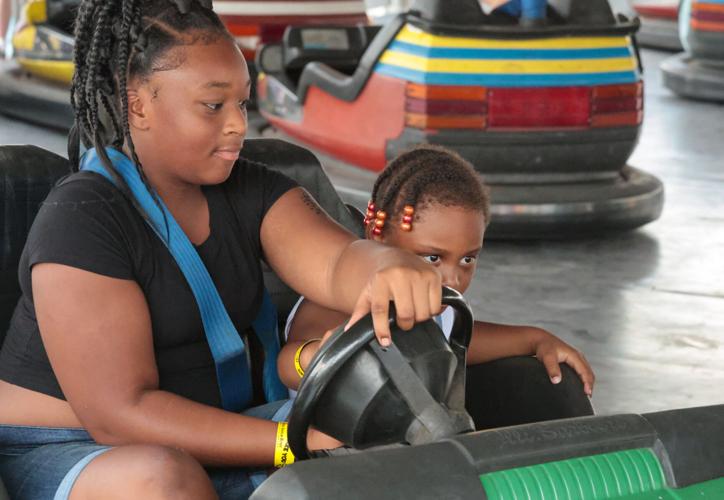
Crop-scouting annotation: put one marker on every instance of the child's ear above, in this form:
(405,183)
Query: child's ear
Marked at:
(137,112)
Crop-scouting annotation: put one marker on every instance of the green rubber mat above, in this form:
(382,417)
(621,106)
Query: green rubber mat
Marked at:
(631,474)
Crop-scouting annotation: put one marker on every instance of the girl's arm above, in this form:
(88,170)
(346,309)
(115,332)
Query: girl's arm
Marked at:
(493,341)
(311,321)
(97,333)
(330,266)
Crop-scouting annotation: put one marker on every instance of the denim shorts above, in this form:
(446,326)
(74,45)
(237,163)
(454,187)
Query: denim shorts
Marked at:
(42,463)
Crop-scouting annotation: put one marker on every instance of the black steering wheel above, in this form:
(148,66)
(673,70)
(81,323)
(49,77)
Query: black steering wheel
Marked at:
(341,346)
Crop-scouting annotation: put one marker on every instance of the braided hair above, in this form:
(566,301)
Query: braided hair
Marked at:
(429,174)
(118,40)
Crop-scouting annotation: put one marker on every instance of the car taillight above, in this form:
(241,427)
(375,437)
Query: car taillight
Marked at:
(445,106)
(617,105)
(528,108)
(545,107)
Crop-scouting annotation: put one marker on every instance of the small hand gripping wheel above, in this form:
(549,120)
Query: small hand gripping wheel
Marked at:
(365,395)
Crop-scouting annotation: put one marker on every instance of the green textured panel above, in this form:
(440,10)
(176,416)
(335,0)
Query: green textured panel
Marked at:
(709,490)
(623,474)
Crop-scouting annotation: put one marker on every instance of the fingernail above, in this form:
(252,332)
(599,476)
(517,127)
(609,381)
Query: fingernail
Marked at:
(385,342)
(556,379)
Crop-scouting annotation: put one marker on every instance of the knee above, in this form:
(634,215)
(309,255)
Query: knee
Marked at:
(167,473)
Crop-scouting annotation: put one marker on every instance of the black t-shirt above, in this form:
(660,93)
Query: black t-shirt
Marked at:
(89,224)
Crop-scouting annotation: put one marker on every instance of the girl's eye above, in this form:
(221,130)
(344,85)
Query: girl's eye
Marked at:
(243,104)
(213,106)
(432,259)
(466,261)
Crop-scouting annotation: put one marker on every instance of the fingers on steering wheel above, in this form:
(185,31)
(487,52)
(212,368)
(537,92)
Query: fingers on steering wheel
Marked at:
(550,361)
(584,371)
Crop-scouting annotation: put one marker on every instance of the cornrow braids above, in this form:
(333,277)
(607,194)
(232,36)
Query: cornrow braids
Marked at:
(119,40)
(429,174)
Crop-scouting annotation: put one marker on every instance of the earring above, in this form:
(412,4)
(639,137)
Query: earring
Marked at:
(379,222)
(408,212)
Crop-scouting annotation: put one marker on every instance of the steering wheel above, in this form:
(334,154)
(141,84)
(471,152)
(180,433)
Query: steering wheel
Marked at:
(342,346)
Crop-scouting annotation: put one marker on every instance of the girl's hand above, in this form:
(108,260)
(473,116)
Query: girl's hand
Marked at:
(550,350)
(403,278)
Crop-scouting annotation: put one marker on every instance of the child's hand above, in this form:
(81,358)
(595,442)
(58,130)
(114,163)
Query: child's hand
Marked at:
(550,350)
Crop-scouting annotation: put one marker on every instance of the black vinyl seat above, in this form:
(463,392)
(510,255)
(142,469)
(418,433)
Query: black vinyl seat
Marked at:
(343,86)
(28,173)
(341,47)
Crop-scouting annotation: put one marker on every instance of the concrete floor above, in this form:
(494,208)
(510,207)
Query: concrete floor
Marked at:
(646,307)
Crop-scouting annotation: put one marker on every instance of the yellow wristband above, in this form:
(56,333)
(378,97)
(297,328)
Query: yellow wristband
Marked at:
(282,453)
(298,356)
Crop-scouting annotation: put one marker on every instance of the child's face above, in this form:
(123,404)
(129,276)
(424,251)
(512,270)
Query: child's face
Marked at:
(449,238)
(192,119)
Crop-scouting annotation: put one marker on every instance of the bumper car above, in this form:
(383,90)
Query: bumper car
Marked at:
(405,412)
(659,24)
(36,73)
(698,73)
(548,114)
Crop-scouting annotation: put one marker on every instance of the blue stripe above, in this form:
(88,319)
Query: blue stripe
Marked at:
(505,54)
(512,80)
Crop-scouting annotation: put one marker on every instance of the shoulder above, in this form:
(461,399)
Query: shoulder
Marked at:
(254,186)
(86,222)
(83,189)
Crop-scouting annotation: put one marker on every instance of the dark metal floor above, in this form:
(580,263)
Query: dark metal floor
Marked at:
(646,307)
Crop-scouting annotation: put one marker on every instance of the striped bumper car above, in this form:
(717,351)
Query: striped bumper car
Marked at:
(548,114)
(698,73)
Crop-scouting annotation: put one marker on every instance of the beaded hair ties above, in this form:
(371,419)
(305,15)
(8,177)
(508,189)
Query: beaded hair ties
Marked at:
(379,218)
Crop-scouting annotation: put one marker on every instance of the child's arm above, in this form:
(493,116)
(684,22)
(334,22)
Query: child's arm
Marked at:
(492,341)
(311,321)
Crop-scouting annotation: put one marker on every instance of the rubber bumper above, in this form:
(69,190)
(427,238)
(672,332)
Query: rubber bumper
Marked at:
(671,454)
(32,99)
(573,209)
(694,78)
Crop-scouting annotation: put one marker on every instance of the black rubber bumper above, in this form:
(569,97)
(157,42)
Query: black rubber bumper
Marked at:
(32,99)
(694,78)
(689,444)
(570,210)
(535,156)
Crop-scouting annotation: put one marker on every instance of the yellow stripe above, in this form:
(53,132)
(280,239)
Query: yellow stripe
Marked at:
(413,35)
(25,38)
(504,67)
(59,71)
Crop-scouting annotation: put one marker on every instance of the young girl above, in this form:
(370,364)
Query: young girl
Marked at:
(431,202)
(108,386)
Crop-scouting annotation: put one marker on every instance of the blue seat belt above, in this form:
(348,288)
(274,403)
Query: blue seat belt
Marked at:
(227,347)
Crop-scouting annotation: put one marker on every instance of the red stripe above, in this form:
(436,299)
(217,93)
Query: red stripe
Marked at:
(654,11)
(702,15)
(617,105)
(426,107)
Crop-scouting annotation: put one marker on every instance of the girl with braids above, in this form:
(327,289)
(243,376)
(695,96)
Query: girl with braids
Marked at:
(108,385)
(431,202)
